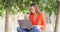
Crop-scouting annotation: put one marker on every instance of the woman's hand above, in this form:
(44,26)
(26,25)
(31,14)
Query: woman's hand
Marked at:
(29,28)
(38,26)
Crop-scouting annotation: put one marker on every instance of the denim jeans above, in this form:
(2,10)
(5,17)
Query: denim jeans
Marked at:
(34,29)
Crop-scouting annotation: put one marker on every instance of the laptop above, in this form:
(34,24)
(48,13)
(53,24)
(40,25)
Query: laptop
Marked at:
(25,24)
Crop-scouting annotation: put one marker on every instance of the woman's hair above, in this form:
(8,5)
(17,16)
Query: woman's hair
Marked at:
(36,8)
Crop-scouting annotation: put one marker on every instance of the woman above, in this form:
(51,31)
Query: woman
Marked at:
(36,17)
(37,20)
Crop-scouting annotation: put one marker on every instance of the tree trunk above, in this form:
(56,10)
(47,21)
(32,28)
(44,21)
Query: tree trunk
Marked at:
(6,17)
(6,21)
(57,19)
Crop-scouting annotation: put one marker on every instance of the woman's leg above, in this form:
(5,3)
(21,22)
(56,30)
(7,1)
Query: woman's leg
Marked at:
(35,29)
(20,30)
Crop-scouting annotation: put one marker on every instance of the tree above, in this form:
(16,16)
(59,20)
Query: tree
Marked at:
(57,19)
(48,5)
(6,16)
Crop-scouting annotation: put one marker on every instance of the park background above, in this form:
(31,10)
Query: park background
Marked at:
(13,10)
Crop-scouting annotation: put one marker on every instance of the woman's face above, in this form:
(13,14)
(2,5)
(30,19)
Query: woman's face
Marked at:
(32,8)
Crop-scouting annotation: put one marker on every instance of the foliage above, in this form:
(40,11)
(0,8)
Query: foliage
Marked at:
(48,5)
(2,10)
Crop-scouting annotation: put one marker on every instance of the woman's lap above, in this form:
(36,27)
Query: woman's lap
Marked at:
(34,29)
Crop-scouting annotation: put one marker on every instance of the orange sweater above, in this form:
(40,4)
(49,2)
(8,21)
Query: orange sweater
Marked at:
(40,20)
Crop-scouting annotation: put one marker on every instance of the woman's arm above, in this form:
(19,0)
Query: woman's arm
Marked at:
(43,21)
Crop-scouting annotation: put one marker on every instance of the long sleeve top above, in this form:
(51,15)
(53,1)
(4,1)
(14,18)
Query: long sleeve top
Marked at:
(40,20)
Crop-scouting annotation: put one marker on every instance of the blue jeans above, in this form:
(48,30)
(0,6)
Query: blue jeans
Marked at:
(34,29)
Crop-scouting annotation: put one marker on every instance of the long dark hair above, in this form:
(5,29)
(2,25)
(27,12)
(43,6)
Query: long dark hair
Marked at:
(37,10)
